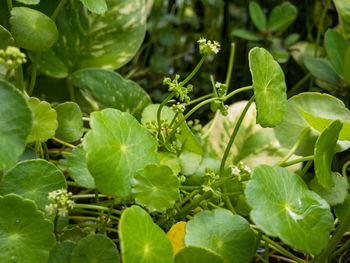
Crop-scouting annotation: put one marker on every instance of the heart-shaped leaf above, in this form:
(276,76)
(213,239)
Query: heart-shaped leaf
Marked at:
(88,40)
(95,6)
(112,90)
(44,122)
(15,124)
(192,254)
(336,46)
(95,248)
(33,180)
(281,17)
(142,240)
(257,16)
(36,34)
(117,146)
(24,233)
(156,187)
(269,87)
(226,234)
(283,206)
(61,252)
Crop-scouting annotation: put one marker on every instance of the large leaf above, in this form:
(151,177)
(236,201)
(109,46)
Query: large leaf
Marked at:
(336,46)
(156,187)
(95,248)
(70,122)
(34,180)
(37,34)
(95,6)
(283,206)
(343,8)
(322,69)
(117,146)
(142,240)
(192,254)
(226,234)
(61,252)
(257,16)
(269,87)
(320,105)
(15,124)
(112,90)
(25,235)
(87,40)
(281,17)
(324,153)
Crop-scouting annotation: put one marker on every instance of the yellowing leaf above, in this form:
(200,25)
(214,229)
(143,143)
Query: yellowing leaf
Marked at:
(176,235)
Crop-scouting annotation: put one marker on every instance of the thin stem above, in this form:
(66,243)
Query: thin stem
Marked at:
(103,229)
(306,168)
(93,213)
(86,119)
(58,9)
(70,88)
(63,142)
(9,4)
(84,218)
(344,168)
(194,101)
(230,64)
(232,93)
(294,148)
(72,183)
(60,151)
(33,75)
(87,196)
(159,111)
(320,26)
(212,125)
(194,71)
(97,207)
(299,160)
(188,197)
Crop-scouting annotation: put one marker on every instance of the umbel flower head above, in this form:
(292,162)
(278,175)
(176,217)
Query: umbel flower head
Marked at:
(60,202)
(12,57)
(208,47)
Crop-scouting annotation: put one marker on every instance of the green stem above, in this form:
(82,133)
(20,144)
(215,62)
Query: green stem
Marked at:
(9,4)
(33,75)
(86,196)
(188,197)
(63,142)
(212,125)
(230,64)
(103,229)
(320,26)
(73,184)
(299,160)
(97,207)
(194,71)
(339,250)
(305,168)
(93,213)
(84,218)
(60,151)
(159,111)
(294,148)
(199,99)
(19,77)
(71,89)
(232,93)
(58,9)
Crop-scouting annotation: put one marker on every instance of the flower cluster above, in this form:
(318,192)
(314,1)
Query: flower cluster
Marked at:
(60,202)
(178,107)
(180,91)
(208,47)
(240,169)
(12,57)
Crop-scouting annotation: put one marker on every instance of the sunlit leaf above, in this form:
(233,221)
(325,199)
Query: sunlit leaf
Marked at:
(176,236)
(95,6)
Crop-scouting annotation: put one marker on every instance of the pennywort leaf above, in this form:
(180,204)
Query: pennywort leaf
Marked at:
(95,6)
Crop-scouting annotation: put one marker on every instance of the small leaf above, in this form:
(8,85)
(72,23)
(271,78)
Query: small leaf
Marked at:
(247,35)
(291,39)
(336,194)
(117,146)
(142,240)
(34,180)
(95,248)
(26,236)
(6,38)
(322,69)
(61,252)
(269,87)
(340,210)
(15,124)
(281,17)
(257,16)
(70,122)
(95,6)
(282,206)
(77,168)
(226,234)
(44,122)
(37,34)
(192,254)
(176,236)
(29,2)
(336,46)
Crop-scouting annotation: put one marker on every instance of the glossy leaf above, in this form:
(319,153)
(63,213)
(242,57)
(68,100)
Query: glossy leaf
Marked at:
(61,252)
(78,170)
(142,240)
(324,153)
(36,34)
(192,254)
(281,17)
(29,2)
(282,206)
(95,248)
(112,90)
(25,235)
(89,40)
(320,105)
(269,87)
(95,6)
(6,38)
(257,15)
(247,35)
(70,122)
(322,69)
(33,180)
(340,210)
(336,46)
(156,187)
(15,124)
(117,146)
(336,194)
(44,122)
(226,234)
(176,236)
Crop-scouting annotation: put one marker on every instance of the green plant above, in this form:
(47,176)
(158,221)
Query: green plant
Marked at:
(103,176)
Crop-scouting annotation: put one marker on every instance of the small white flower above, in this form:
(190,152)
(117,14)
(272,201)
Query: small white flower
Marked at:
(235,171)
(63,211)
(50,209)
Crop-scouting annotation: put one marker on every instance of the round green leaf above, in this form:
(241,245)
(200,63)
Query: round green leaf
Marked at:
(283,206)
(70,122)
(95,248)
(6,38)
(61,252)
(117,146)
(112,90)
(32,29)
(95,6)
(226,234)
(25,235)
(336,46)
(142,240)
(269,87)
(336,194)
(257,16)
(78,170)
(15,124)
(156,187)
(73,234)
(324,153)
(29,2)
(33,180)
(340,210)
(192,254)
(89,40)
(320,105)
